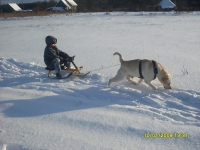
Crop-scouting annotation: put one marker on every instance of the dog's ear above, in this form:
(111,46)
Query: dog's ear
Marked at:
(164,80)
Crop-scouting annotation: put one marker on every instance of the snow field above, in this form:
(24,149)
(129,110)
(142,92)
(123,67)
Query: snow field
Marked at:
(38,113)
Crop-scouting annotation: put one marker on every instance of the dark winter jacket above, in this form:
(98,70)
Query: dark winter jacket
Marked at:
(50,53)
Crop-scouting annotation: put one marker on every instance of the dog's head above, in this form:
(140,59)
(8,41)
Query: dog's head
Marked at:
(166,81)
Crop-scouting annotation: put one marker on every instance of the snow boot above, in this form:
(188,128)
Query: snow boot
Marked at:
(67,65)
(58,75)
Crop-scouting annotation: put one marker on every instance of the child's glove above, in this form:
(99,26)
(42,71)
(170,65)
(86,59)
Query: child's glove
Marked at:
(70,59)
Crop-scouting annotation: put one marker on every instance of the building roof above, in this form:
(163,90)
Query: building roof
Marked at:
(166,4)
(64,2)
(72,2)
(15,6)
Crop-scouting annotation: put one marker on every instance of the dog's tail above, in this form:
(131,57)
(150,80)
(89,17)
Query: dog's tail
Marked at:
(120,56)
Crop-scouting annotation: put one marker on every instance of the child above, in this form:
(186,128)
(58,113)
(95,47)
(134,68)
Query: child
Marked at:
(53,57)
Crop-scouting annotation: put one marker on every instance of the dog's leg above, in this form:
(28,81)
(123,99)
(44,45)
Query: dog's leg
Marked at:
(140,81)
(149,83)
(117,78)
(130,79)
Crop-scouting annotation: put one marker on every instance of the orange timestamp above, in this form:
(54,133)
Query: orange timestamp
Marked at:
(166,135)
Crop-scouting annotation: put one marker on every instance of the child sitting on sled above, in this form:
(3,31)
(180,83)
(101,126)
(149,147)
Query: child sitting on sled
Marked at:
(53,57)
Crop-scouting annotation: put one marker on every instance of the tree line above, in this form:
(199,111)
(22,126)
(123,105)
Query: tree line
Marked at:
(113,5)
(132,5)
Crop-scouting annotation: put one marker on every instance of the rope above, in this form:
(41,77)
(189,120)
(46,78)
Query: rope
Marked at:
(105,67)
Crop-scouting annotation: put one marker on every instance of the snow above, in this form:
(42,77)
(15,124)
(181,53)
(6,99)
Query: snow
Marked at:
(166,4)
(37,112)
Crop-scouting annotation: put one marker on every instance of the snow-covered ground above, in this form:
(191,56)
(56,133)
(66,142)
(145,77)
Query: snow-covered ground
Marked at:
(39,113)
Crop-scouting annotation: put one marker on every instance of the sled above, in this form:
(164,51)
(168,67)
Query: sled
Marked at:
(72,71)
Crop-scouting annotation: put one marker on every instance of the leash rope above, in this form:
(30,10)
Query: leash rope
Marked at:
(105,67)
